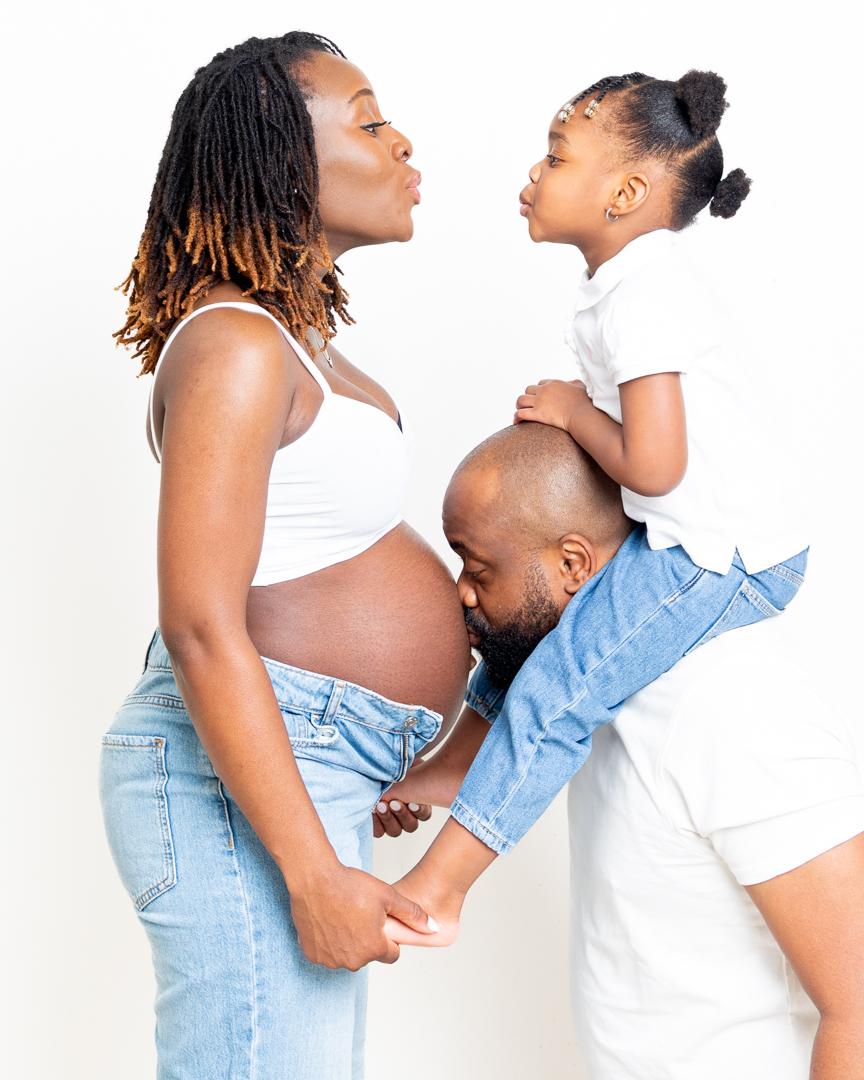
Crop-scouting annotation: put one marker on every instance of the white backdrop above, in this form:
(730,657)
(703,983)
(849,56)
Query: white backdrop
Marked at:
(454,324)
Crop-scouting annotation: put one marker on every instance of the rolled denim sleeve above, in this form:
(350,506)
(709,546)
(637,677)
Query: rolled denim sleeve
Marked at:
(533,748)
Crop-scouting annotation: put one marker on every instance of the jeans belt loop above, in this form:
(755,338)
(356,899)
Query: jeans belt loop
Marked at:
(333,704)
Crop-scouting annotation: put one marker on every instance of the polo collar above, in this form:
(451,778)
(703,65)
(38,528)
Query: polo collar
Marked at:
(638,253)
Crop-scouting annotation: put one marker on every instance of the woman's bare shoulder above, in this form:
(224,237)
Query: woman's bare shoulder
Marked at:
(229,364)
(243,352)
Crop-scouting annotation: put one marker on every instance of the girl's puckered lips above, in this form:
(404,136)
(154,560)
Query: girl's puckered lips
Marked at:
(414,184)
(524,205)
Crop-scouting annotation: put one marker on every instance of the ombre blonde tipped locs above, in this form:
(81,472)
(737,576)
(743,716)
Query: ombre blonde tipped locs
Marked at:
(236,199)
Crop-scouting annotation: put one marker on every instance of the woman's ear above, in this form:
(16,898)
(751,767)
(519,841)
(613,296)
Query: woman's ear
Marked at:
(577,562)
(631,193)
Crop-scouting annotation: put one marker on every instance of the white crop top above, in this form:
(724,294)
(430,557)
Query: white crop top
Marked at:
(336,490)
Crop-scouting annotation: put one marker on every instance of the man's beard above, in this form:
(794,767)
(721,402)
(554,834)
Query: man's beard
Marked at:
(507,646)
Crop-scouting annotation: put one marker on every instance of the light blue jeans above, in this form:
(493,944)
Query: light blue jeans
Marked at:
(236,998)
(625,627)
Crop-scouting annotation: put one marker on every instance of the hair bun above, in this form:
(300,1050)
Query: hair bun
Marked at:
(730,193)
(701,95)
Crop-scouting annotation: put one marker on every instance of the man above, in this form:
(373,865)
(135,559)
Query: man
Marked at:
(717,830)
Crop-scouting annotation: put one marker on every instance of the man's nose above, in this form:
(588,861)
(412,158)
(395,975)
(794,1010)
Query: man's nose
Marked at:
(466,592)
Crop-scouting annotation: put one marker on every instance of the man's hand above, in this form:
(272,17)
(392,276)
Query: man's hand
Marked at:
(340,919)
(553,402)
(440,882)
(448,904)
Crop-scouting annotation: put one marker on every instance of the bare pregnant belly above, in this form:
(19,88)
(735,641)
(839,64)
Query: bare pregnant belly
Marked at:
(389,620)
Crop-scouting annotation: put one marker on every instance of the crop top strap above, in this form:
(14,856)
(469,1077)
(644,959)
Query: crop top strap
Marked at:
(302,355)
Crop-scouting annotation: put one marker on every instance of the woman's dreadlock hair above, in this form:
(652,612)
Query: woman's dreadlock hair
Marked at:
(676,122)
(236,198)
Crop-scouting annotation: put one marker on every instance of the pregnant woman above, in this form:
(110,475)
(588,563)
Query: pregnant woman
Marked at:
(310,642)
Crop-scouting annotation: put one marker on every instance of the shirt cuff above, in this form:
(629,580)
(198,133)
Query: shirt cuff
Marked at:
(655,367)
(492,840)
(765,849)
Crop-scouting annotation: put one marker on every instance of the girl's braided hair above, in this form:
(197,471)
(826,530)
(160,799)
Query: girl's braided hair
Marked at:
(676,122)
(236,199)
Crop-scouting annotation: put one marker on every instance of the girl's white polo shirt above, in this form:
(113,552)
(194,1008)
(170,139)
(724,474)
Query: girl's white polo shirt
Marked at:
(644,312)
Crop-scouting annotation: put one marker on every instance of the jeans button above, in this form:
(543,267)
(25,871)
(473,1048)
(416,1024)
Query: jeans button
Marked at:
(410,722)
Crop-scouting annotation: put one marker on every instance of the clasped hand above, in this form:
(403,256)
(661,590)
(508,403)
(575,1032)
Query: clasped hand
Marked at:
(434,782)
(552,401)
(340,919)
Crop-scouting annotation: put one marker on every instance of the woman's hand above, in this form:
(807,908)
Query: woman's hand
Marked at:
(340,919)
(553,402)
(429,783)
(394,817)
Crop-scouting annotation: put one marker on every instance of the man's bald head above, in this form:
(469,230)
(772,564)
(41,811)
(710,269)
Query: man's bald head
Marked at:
(541,485)
(532,518)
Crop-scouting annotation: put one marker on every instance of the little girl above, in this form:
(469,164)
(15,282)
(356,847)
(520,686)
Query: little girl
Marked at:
(667,411)
(664,408)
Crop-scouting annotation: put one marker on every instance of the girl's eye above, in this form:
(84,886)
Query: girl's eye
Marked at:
(552,160)
(373,128)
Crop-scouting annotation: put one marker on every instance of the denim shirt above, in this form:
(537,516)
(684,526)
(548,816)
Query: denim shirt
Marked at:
(517,772)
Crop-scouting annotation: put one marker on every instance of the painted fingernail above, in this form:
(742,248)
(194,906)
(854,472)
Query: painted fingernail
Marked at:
(395,806)
(433,926)
(382,807)
(413,807)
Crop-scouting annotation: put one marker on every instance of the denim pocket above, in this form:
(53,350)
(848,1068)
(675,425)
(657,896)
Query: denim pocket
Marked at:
(132,782)
(748,605)
(346,742)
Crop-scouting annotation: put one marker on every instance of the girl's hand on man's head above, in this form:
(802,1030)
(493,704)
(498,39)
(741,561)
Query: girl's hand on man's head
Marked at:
(552,402)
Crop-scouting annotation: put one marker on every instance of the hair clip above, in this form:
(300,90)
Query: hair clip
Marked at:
(593,106)
(566,113)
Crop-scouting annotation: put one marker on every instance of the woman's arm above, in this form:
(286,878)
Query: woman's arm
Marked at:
(227,389)
(646,453)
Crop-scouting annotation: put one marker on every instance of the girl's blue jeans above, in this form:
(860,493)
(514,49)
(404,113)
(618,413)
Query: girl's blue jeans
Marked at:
(630,623)
(236,998)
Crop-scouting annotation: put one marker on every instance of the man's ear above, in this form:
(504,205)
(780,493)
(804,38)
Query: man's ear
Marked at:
(577,562)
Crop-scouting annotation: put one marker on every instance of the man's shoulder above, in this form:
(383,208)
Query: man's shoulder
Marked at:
(742,749)
(735,675)
(742,706)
